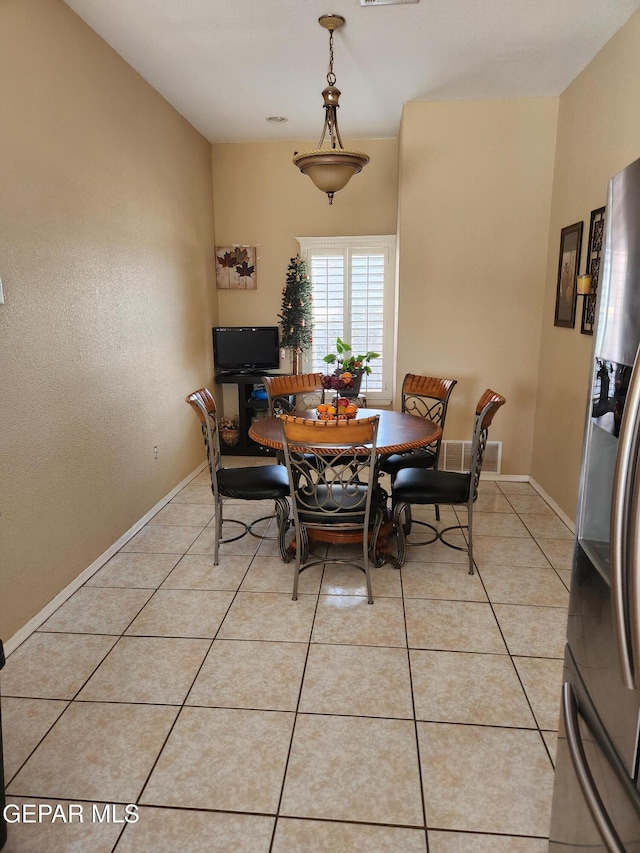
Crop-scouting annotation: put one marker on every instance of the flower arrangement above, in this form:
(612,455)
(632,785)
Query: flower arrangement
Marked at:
(346,361)
(229,430)
(348,366)
(228,423)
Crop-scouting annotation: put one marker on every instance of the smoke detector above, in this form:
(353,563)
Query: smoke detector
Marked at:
(386,2)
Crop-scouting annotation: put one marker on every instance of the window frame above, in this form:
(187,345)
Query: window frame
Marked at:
(385,244)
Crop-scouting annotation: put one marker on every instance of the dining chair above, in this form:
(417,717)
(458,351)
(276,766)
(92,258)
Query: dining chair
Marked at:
(259,483)
(432,486)
(296,393)
(287,394)
(334,497)
(424,397)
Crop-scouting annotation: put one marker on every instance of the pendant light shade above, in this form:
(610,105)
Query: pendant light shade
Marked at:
(330,167)
(331,170)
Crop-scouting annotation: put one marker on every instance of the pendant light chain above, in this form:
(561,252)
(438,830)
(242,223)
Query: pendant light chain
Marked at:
(331,77)
(331,95)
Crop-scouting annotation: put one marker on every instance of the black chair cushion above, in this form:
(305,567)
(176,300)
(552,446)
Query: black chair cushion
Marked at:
(264,482)
(415,459)
(414,486)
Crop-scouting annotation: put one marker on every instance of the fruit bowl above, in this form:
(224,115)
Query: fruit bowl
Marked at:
(343,410)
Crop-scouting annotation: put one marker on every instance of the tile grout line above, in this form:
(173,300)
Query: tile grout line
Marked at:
(296,712)
(415,721)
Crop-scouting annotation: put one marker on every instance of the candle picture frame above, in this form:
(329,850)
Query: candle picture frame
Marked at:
(594,250)
(566,295)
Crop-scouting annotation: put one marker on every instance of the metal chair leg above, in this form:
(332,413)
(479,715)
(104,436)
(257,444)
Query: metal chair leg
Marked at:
(282,513)
(220,520)
(301,556)
(470,535)
(218,532)
(398,525)
(367,572)
(276,515)
(376,559)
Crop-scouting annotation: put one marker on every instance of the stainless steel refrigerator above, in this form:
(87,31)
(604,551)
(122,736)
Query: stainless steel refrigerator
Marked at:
(596,803)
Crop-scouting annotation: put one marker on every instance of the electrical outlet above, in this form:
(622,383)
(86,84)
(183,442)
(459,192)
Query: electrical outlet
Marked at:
(155,452)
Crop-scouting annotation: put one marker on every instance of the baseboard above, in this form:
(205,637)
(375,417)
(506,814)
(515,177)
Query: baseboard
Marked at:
(512,478)
(554,506)
(525,478)
(33,624)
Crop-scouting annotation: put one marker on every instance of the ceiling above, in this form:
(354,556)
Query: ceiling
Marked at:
(226,65)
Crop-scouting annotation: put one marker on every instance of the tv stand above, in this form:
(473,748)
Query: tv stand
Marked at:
(247,405)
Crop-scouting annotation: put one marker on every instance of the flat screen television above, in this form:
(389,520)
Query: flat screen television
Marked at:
(246,349)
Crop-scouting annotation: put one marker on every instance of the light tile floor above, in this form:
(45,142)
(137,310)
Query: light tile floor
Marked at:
(239,720)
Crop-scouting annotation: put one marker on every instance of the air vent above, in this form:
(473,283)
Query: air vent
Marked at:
(386,2)
(456,456)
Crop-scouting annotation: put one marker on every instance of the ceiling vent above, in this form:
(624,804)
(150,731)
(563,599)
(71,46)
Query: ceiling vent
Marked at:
(386,2)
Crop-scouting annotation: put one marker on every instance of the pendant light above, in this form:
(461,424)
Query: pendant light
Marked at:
(330,168)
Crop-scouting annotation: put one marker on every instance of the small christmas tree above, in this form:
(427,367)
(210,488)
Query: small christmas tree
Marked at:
(296,319)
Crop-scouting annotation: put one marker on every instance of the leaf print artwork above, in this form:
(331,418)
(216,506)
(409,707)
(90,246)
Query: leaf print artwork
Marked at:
(236,268)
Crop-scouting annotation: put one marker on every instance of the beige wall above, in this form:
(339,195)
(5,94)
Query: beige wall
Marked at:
(106,228)
(474,203)
(262,200)
(598,135)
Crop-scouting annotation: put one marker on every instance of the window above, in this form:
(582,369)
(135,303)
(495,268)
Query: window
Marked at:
(353,298)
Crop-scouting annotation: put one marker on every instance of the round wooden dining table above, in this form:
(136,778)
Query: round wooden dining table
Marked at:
(398,432)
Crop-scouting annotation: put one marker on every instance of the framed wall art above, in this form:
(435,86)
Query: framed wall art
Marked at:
(594,252)
(236,268)
(566,296)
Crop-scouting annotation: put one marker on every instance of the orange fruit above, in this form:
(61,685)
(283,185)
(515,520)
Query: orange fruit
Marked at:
(322,407)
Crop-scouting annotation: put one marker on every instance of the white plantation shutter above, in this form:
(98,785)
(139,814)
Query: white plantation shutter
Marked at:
(327,277)
(353,298)
(367,313)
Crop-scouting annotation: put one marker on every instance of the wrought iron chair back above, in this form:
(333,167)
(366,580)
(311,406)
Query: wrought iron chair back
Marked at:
(202,402)
(427,397)
(486,409)
(332,478)
(287,394)
(290,394)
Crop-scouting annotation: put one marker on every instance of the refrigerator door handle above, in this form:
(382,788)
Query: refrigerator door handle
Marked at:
(581,766)
(621,547)
(633,565)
